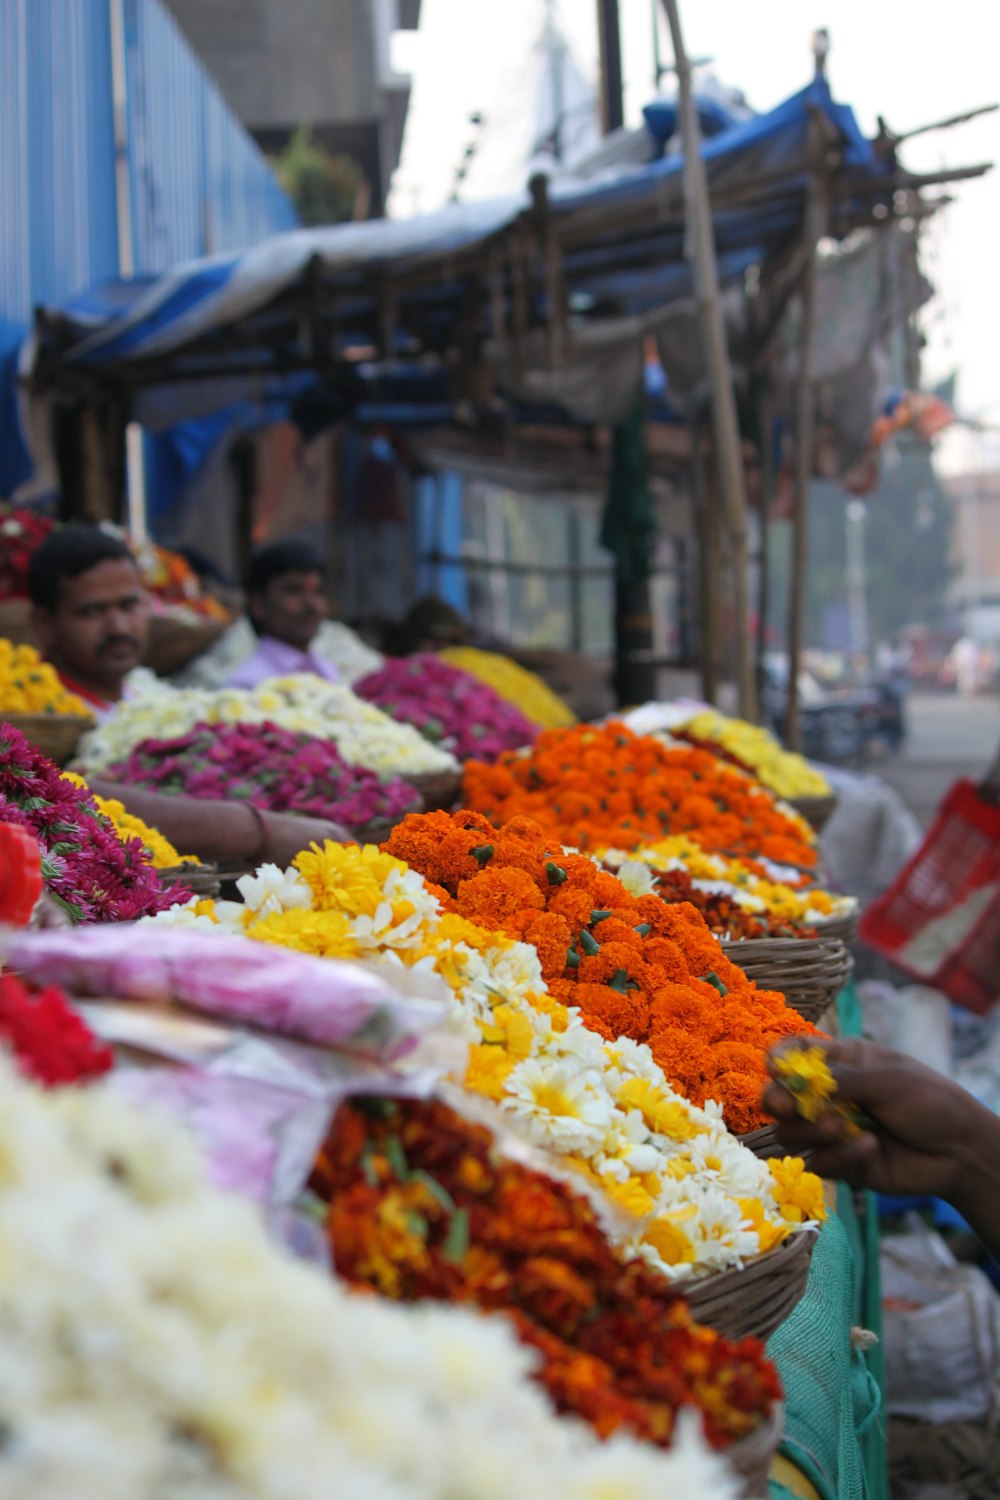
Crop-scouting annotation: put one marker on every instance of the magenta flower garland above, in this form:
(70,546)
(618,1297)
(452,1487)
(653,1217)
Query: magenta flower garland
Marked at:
(449,707)
(273,768)
(94,875)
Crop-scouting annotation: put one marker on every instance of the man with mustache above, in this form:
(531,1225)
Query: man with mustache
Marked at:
(90,612)
(287,604)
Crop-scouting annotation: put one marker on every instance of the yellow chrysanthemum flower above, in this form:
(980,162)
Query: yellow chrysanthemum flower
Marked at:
(669,1238)
(524,689)
(783,771)
(344,878)
(664,1115)
(799,1193)
(805,1073)
(325,934)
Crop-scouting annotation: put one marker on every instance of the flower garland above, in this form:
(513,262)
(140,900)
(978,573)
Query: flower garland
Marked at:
(451,708)
(50,1042)
(270,767)
(745,882)
(633,965)
(526,690)
(93,874)
(29,685)
(156,1343)
(158,849)
(692,1199)
(421,1205)
(303,704)
(21,532)
(607,786)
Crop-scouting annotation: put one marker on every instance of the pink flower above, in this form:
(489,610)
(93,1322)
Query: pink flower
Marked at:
(448,707)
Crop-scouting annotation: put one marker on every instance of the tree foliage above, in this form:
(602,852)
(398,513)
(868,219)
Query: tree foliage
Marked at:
(323,186)
(908,533)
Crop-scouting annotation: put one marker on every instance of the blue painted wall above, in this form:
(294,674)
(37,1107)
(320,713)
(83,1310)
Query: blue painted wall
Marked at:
(199,184)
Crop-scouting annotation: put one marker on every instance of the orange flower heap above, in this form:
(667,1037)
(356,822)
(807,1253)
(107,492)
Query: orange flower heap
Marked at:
(633,965)
(420,1204)
(609,788)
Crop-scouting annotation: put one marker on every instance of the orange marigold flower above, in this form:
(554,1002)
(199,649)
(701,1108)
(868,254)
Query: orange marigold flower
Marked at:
(492,896)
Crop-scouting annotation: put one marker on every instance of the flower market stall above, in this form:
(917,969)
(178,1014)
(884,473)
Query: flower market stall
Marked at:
(508,1063)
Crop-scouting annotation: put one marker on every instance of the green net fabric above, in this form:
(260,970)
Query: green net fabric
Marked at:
(834,1431)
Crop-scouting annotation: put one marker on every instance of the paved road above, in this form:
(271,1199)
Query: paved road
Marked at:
(948,737)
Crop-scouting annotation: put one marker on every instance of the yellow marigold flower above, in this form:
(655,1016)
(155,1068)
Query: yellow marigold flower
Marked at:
(805,1073)
(515,683)
(799,1193)
(29,685)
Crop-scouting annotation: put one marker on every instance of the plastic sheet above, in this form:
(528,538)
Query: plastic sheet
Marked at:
(378,1013)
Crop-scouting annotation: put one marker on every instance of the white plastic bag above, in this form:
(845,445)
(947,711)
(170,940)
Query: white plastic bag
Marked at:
(941,1332)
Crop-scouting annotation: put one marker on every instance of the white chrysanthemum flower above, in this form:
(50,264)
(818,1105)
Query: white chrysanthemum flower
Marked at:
(182,915)
(558,1105)
(271,890)
(637,878)
(156,1344)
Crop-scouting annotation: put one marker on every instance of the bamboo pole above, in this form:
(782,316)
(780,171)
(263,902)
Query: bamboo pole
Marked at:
(804,445)
(728,451)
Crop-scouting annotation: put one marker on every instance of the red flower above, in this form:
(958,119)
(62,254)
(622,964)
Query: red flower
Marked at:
(50,1042)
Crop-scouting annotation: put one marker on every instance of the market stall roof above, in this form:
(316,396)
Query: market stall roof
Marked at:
(317,298)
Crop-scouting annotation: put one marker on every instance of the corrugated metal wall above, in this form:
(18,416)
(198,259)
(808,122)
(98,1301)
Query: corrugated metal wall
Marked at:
(200,185)
(198,182)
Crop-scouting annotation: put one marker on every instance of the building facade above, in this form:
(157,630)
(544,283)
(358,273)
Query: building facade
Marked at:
(325,64)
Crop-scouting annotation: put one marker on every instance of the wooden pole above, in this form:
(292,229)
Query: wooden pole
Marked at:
(805,397)
(728,451)
(709,570)
(804,445)
(765,419)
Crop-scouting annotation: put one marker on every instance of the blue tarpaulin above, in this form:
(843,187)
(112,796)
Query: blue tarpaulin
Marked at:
(182,309)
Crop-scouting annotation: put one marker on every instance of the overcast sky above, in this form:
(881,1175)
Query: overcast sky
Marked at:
(911,64)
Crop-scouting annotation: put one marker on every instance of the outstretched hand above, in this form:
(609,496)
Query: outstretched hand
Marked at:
(918,1130)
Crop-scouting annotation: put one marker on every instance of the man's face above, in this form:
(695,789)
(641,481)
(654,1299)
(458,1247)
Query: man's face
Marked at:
(100,627)
(291,608)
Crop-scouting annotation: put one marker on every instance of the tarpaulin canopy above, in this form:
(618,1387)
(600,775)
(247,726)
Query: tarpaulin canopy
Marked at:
(432,292)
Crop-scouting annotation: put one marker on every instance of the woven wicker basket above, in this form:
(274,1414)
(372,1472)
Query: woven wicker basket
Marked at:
(753,1301)
(844,927)
(817,811)
(751,1458)
(440,791)
(56,735)
(763,1142)
(203,880)
(173,643)
(809,972)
